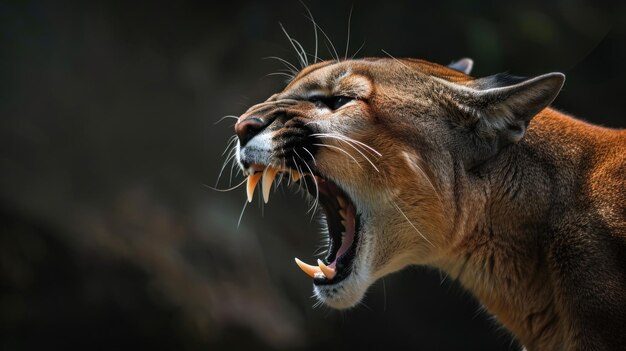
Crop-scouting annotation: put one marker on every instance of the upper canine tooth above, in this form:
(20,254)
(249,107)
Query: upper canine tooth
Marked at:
(328,271)
(253,179)
(311,271)
(268,178)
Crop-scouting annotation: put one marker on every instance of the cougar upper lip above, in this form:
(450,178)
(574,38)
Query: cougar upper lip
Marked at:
(341,217)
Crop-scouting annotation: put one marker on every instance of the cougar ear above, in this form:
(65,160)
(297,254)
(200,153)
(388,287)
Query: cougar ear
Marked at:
(497,109)
(505,104)
(464,65)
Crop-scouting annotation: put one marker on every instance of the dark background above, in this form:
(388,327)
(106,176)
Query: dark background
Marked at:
(109,238)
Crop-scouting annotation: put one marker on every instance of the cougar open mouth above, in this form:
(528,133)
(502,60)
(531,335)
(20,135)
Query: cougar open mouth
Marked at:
(340,214)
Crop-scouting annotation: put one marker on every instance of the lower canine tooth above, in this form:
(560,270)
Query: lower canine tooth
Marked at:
(311,271)
(328,272)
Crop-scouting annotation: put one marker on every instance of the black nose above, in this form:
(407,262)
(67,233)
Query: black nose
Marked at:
(248,128)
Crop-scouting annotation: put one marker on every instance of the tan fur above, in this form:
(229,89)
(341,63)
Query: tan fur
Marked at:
(536,230)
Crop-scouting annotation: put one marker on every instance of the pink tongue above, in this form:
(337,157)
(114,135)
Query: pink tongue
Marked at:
(349,236)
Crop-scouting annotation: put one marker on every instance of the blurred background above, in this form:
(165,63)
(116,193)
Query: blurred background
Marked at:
(110,238)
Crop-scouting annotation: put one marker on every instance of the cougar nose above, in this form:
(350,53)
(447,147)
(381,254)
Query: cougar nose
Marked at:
(248,128)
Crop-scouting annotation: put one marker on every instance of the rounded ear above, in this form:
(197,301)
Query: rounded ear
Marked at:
(463,65)
(499,108)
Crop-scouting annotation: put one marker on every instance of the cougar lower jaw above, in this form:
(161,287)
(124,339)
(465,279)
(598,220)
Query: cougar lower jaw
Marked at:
(342,220)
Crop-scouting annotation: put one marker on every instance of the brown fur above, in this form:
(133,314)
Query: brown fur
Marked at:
(530,216)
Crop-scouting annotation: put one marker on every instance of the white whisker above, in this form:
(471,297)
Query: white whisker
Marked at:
(285,167)
(312,157)
(342,150)
(245,203)
(288,64)
(336,57)
(348,141)
(232,139)
(412,225)
(291,41)
(232,167)
(345,57)
(304,54)
(358,50)
(226,190)
(429,183)
(314,30)
(317,189)
(318,303)
(301,173)
(280,74)
(231,155)
(223,118)
(341,136)
(412,72)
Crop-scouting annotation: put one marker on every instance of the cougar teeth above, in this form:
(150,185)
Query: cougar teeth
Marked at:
(295,176)
(341,202)
(268,175)
(319,271)
(329,272)
(311,271)
(253,180)
(268,178)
